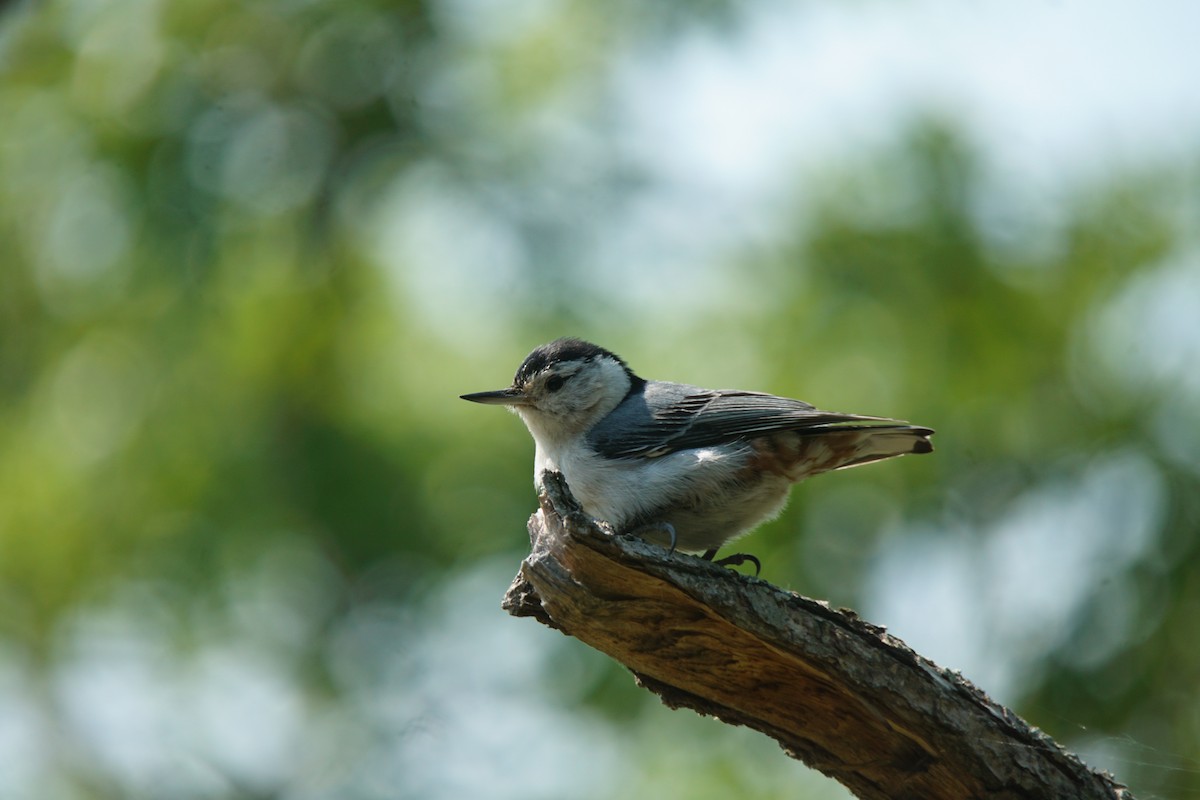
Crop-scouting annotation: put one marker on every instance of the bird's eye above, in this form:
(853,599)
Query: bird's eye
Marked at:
(555,382)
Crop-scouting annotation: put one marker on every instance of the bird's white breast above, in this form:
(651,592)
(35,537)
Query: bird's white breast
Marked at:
(701,492)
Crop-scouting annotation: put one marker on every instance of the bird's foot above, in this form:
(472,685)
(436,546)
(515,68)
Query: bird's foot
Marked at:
(735,560)
(658,527)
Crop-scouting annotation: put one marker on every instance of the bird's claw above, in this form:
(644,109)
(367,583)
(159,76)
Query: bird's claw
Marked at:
(665,527)
(670,529)
(735,560)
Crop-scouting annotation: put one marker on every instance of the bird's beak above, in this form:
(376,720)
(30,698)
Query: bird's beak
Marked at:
(501,397)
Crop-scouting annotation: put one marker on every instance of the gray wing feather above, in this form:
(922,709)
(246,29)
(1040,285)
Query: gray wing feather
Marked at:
(666,417)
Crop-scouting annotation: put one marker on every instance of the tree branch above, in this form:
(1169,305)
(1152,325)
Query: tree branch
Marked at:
(836,692)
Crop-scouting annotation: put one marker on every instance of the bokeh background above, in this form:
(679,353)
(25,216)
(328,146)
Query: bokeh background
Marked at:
(251,544)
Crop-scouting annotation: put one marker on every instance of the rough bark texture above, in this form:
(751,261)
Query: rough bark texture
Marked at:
(835,691)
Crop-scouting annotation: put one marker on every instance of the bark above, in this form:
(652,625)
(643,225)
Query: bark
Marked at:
(835,691)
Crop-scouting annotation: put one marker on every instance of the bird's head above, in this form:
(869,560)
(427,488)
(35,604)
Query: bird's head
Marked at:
(564,388)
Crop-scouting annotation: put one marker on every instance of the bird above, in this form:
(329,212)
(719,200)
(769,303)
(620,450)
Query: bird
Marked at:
(675,464)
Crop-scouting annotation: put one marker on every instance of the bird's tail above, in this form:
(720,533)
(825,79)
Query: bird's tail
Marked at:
(844,446)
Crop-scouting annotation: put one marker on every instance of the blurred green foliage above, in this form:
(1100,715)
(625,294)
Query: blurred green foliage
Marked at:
(231,461)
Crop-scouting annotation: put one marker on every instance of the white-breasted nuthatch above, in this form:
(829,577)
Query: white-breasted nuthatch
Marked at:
(678,464)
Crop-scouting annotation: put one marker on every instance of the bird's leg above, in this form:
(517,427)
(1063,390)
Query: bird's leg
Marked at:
(735,560)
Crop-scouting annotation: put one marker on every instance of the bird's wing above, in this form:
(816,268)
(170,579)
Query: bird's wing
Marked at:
(668,417)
